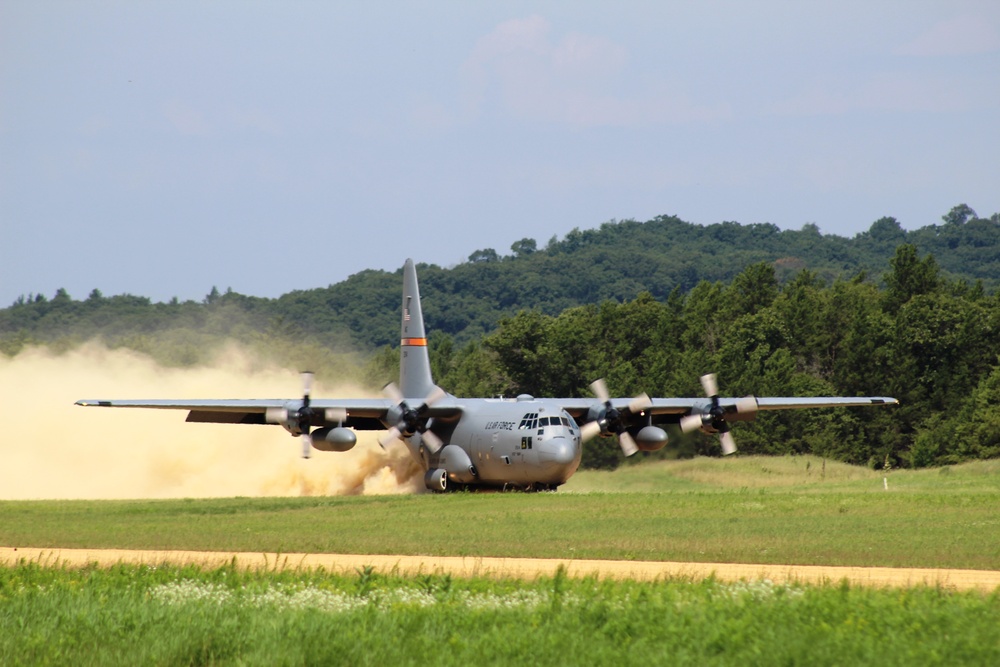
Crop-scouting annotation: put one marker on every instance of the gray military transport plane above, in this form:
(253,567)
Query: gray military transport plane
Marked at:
(513,443)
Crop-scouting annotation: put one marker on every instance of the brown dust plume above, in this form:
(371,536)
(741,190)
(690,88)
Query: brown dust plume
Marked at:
(53,449)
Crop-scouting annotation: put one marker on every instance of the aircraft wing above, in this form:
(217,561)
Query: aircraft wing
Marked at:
(680,407)
(683,406)
(783,403)
(362,414)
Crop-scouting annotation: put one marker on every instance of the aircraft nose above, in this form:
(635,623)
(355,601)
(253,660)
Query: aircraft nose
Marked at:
(557,453)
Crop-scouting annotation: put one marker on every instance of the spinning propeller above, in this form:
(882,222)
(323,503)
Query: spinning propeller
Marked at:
(411,420)
(714,418)
(300,421)
(610,421)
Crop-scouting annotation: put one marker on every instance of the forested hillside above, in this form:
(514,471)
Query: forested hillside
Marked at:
(650,307)
(616,262)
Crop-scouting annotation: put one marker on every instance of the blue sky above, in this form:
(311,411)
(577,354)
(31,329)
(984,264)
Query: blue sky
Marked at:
(161,148)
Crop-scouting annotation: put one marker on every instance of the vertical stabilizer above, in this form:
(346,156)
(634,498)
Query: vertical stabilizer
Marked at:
(414,364)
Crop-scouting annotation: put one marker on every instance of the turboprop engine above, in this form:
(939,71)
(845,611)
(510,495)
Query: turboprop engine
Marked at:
(713,418)
(607,420)
(299,422)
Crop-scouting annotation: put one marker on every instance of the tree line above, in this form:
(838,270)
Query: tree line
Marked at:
(615,261)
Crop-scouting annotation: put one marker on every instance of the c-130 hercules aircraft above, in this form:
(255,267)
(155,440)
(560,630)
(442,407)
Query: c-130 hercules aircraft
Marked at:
(464,443)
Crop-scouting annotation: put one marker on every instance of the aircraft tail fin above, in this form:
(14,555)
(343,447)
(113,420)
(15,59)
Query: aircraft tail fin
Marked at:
(415,379)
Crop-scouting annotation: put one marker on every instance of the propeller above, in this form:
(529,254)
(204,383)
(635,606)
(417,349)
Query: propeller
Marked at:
(715,417)
(411,420)
(611,421)
(302,418)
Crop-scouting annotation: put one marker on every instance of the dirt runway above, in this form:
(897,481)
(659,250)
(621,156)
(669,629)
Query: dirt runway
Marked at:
(522,568)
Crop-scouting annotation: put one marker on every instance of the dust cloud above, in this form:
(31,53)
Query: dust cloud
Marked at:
(53,449)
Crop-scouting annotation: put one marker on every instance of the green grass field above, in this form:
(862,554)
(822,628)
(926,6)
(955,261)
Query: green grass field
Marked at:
(788,510)
(751,510)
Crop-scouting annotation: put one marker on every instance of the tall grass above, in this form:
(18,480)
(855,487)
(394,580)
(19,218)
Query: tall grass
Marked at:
(171,615)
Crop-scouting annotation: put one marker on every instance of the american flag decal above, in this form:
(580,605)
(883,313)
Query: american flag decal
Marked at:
(406,309)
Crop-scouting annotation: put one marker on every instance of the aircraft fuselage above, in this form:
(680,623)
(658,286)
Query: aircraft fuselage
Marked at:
(523,442)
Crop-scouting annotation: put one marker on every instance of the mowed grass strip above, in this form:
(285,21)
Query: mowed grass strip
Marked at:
(170,615)
(782,512)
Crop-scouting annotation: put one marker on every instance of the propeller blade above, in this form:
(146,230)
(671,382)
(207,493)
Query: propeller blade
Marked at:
(600,390)
(335,415)
(393,392)
(691,423)
(627,443)
(436,395)
(589,431)
(640,403)
(432,441)
(307,443)
(276,415)
(746,405)
(389,437)
(307,382)
(710,385)
(728,443)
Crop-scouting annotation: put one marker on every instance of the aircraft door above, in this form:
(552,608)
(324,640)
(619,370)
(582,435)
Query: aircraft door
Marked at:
(485,457)
(524,448)
(513,452)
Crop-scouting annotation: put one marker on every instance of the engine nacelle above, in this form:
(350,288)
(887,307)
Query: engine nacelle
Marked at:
(595,414)
(651,438)
(337,439)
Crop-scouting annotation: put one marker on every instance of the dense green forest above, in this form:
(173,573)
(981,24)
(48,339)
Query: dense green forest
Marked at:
(650,307)
(617,261)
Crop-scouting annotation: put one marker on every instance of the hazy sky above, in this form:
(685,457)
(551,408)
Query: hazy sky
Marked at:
(161,148)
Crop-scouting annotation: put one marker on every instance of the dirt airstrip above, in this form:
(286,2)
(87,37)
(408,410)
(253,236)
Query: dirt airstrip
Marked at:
(523,568)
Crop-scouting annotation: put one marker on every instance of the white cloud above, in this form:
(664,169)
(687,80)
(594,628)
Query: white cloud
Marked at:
(578,79)
(962,35)
(584,57)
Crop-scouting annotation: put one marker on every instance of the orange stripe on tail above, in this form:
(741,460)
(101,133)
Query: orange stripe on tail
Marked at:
(417,342)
